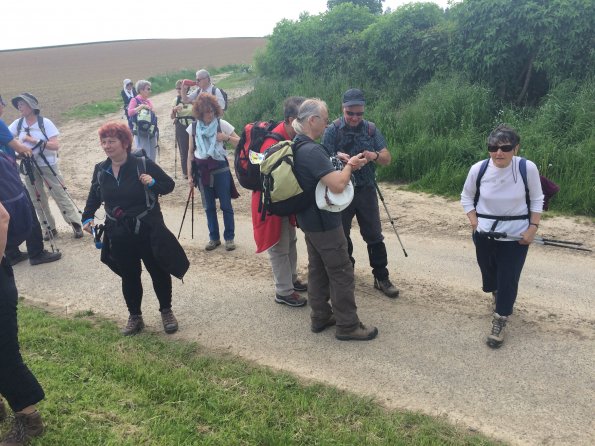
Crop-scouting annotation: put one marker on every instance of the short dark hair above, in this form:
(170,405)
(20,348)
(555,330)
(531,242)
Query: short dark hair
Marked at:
(503,134)
(291,105)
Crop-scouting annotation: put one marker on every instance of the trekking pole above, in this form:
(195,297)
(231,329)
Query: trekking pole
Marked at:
(45,160)
(185,209)
(389,217)
(192,233)
(175,152)
(27,169)
(538,240)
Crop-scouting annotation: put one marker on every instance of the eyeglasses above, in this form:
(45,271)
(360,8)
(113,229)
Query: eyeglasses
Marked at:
(198,79)
(148,88)
(506,148)
(323,119)
(350,113)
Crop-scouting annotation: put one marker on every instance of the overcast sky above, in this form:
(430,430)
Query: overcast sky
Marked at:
(57,22)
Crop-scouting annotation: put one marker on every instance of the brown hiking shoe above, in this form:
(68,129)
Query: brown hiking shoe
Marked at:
(318,327)
(3,413)
(293,300)
(170,323)
(24,428)
(496,336)
(134,325)
(360,333)
(386,286)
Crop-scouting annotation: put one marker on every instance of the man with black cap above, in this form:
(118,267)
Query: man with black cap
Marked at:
(348,136)
(35,249)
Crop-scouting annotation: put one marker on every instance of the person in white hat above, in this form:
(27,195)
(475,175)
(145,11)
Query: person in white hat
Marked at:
(41,135)
(347,136)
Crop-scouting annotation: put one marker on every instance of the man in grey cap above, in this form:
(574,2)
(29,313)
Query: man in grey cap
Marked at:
(203,82)
(348,136)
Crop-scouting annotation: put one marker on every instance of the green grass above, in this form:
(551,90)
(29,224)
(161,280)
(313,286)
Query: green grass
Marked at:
(104,389)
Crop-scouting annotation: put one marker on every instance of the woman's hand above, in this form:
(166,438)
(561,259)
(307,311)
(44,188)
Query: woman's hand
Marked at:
(146,179)
(472,216)
(358,161)
(222,137)
(190,181)
(528,235)
(87,226)
(30,139)
(343,157)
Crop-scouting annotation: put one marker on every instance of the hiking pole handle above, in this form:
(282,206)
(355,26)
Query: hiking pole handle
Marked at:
(390,218)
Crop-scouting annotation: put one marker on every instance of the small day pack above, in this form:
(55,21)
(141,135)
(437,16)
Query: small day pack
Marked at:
(15,201)
(223,93)
(251,139)
(282,193)
(144,123)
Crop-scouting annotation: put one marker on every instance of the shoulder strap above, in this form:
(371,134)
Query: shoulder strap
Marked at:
(337,123)
(523,172)
(20,126)
(482,171)
(194,129)
(214,91)
(371,129)
(42,126)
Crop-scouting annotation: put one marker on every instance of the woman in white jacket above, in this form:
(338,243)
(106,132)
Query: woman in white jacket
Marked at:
(511,202)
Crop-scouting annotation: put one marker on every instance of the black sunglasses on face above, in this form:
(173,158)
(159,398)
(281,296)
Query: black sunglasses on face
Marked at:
(506,148)
(350,113)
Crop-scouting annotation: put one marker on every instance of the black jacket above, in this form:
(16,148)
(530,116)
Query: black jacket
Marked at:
(125,201)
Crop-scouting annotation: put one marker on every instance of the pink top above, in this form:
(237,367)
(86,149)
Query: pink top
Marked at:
(135,101)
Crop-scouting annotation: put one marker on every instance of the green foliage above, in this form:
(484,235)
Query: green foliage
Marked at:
(93,110)
(374,6)
(105,389)
(407,47)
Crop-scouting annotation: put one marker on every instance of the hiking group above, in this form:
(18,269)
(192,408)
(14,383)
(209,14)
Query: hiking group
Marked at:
(295,182)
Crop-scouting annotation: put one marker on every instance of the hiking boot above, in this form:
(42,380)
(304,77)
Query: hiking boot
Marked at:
(229,245)
(496,337)
(386,286)
(18,258)
(293,300)
(170,323)
(24,428)
(78,230)
(135,325)
(212,245)
(46,235)
(318,327)
(360,333)
(298,285)
(3,413)
(45,257)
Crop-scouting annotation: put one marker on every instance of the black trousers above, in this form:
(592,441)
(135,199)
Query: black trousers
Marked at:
(34,241)
(17,383)
(183,140)
(501,264)
(365,208)
(128,250)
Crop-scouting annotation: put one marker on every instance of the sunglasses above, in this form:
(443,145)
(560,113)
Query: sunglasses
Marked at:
(350,113)
(506,148)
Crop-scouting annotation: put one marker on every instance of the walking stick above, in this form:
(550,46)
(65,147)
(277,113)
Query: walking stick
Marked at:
(539,240)
(389,217)
(185,209)
(192,233)
(175,152)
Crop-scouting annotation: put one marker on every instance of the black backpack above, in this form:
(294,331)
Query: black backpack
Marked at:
(251,139)
(223,93)
(14,199)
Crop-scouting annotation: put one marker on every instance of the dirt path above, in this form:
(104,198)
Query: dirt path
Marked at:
(430,355)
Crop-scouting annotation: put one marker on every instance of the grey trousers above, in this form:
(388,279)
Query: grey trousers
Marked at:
(69,212)
(330,276)
(283,257)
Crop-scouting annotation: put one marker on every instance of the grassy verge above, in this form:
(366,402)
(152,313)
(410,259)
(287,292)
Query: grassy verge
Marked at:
(240,75)
(104,389)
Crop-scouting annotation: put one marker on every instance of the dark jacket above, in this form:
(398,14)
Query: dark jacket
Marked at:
(125,201)
(126,99)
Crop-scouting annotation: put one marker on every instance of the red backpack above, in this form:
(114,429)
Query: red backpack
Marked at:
(252,138)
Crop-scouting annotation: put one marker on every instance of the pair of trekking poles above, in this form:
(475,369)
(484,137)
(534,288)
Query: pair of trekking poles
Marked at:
(28,167)
(540,240)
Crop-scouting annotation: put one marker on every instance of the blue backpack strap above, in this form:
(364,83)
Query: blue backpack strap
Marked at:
(482,171)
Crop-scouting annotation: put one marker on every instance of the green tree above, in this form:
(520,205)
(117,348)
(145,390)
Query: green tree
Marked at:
(520,47)
(375,6)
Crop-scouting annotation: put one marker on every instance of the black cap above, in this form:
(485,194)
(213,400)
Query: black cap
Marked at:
(353,96)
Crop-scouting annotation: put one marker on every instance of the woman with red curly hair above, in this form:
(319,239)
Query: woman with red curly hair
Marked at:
(128,186)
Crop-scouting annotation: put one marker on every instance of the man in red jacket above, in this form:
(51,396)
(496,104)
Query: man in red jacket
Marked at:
(275,234)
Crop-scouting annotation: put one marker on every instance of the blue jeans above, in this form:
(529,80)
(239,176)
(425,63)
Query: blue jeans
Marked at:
(221,189)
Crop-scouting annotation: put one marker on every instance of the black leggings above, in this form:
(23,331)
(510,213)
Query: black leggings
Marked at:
(128,253)
(17,383)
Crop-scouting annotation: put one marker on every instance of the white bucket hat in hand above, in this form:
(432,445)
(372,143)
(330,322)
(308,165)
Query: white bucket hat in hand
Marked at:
(329,201)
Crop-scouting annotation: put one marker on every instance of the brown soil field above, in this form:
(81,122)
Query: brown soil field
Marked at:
(65,76)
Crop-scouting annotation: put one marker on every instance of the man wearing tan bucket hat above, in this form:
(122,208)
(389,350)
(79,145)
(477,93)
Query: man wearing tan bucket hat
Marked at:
(41,135)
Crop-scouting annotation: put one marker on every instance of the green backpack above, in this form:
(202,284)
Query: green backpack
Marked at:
(282,194)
